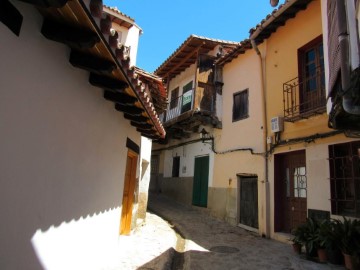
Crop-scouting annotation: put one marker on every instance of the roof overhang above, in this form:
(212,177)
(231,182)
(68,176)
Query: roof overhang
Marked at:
(187,54)
(86,29)
(277,19)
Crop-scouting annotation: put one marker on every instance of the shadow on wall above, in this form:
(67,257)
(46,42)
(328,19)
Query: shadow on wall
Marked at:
(67,222)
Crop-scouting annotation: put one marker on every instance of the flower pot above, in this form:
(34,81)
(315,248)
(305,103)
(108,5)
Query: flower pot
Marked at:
(334,256)
(351,262)
(297,248)
(322,255)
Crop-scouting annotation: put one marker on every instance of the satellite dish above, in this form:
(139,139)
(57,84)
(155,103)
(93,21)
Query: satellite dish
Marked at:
(274,3)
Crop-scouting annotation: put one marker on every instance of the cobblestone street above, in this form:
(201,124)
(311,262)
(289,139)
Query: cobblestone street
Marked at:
(194,240)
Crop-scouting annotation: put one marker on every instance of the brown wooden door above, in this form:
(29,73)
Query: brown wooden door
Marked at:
(290,191)
(128,195)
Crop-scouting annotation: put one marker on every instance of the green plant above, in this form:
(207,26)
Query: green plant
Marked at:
(323,236)
(349,230)
(311,236)
(299,234)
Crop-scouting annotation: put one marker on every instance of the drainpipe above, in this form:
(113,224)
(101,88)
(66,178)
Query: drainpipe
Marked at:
(265,134)
(348,100)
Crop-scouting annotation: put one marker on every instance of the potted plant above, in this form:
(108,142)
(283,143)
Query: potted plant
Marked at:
(323,237)
(311,241)
(299,238)
(350,242)
(332,242)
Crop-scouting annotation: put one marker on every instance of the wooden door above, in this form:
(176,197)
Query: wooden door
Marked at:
(201,181)
(128,195)
(295,181)
(249,201)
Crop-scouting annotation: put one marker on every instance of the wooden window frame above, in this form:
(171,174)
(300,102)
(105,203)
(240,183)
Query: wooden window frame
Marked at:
(313,44)
(239,113)
(174,98)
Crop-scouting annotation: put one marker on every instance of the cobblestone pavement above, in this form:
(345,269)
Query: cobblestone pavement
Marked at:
(150,246)
(211,244)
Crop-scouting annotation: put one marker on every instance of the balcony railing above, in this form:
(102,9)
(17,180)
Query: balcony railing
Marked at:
(306,98)
(178,106)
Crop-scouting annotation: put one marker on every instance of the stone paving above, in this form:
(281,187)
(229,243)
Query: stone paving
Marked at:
(211,244)
(150,246)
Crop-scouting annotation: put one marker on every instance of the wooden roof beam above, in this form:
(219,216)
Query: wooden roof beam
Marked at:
(70,35)
(180,63)
(91,63)
(133,110)
(107,83)
(135,118)
(47,3)
(120,98)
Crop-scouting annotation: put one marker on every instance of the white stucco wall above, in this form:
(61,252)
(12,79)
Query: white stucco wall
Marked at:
(62,157)
(182,79)
(242,73)
(130,38)
(187,154)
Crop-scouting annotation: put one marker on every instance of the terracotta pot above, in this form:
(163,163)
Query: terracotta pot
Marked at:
(297,248)
(335,256)
(351,262)
(322,255)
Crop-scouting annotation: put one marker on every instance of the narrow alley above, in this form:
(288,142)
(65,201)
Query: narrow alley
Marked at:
(202,242)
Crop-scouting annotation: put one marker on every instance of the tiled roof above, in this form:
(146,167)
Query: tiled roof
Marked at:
(241,48)
(115,9)
(120,18)
(136,84)
(186,54)
(85,27)
(277,18)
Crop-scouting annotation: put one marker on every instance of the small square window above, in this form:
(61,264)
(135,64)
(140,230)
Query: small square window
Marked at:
(241,105)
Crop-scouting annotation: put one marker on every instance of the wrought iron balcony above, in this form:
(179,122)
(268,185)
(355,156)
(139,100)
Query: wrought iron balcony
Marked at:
(178,106)
(304,98)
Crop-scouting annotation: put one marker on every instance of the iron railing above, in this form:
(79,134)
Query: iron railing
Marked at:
(305,98)
(178,106)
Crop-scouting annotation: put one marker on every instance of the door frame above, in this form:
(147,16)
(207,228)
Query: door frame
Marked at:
(201,183)
(282,190)
(238,200)
(128,192)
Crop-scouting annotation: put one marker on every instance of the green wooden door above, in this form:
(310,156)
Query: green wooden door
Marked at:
(201,180)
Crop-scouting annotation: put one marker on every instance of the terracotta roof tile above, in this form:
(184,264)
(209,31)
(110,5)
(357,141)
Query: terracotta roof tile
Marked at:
(124,60)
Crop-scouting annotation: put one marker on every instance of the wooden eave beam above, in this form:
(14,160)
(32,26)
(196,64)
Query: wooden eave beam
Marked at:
(150,132)
(133,110)
(144,126)
(70,35)
(135,118)
(120,98)
(46,3)
(10,16)
(108,83)
(179,64)
(91,63)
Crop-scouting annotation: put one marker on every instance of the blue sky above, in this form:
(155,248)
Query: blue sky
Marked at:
(167,24)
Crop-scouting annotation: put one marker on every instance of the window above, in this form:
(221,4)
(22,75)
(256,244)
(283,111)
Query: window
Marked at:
(344,162)
(312,77)
(186,97)
(241,105)
(174,98)
(176,167)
